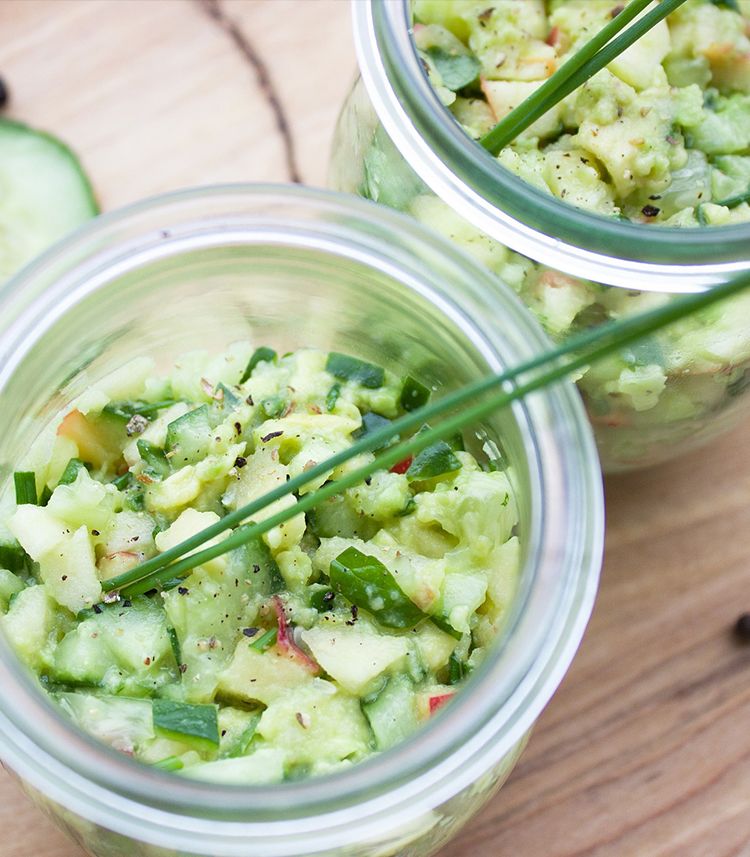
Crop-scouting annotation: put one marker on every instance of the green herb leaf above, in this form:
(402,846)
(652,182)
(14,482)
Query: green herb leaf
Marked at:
(25,484)
(728,4)
(457,70)
(370,423)
(435,460)
(71,471)
(366,582)
(347,368)
(192,724)
(260,355)
(154,458)
(414,395)
(332,397)
(645,352)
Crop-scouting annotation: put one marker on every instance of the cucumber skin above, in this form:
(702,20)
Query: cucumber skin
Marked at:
(16,126)
(47,194)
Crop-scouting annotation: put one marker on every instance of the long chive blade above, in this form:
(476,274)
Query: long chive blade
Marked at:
(578,352)
(584,64)
(25,485)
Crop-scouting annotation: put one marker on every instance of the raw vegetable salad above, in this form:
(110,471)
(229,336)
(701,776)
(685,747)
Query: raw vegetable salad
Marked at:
(328,639)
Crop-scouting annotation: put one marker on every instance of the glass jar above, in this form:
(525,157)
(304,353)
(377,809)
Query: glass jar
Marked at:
(397,144)
(294,267)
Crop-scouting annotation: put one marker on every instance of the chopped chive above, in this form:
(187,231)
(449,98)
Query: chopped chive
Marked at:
(260,355)
(124,482)
(265,641)
(348,368)
(332,397)
(171,763)
(45,496)
(174,642)
(70,474)
(25,484)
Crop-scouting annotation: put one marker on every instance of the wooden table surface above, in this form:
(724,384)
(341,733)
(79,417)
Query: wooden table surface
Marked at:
(645,749)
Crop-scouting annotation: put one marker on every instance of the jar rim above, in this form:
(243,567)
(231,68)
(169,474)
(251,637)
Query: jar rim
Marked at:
(108,789)
(490,197)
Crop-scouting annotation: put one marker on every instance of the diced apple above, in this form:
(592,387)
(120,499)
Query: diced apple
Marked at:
(430,701)
(98,440)
(351,656)
(505,95)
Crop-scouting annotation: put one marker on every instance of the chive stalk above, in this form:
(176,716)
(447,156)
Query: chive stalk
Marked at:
(584,64)
(473,403)
(25,485)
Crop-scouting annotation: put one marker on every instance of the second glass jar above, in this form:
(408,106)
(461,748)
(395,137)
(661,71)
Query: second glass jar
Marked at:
(396,144)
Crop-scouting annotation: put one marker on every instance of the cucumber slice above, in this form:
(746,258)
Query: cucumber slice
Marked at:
(391,713)
(44,190)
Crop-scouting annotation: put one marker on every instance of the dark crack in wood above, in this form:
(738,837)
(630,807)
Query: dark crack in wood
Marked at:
(245,46)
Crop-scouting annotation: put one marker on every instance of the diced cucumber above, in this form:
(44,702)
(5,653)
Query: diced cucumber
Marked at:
(10,585)
(122,723)
(156,461)
(414,394)
(123,649)
(391,712)
(13,556)
(45,193)
(371,422)
(188,438)
(237,729)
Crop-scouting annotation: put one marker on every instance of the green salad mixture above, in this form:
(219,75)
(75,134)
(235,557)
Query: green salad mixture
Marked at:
(328,639)
(661,136)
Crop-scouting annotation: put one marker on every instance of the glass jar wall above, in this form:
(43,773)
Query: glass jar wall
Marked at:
(296,268)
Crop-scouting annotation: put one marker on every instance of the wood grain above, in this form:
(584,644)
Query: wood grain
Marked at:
(645,749)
